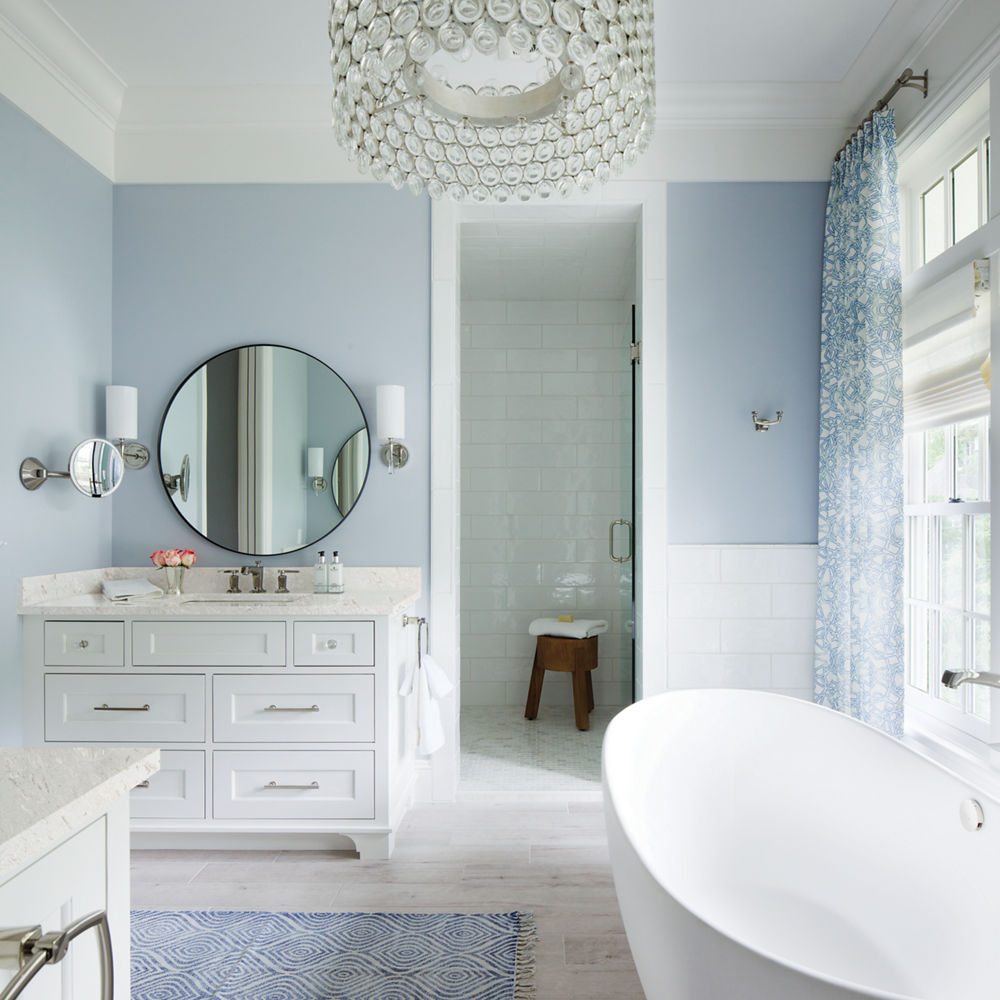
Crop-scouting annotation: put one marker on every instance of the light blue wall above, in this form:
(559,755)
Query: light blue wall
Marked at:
(55,349)
(743,305)
(340,271)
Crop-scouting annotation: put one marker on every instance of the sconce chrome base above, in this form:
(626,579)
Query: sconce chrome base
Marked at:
(318,484)
(33,474)
(395,455)
(134,454)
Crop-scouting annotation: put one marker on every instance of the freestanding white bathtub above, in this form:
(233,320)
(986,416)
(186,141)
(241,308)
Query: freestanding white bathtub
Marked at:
(764,848)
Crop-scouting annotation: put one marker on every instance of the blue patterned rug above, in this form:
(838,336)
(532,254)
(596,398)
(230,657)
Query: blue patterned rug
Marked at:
(228,955)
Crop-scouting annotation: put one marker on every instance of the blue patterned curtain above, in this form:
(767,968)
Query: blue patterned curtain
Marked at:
(859,615)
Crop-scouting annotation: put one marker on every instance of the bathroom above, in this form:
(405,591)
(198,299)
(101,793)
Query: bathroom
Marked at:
(141,242)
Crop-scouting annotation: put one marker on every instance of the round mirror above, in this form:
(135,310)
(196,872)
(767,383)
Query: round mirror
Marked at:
(96,468)
(243,446)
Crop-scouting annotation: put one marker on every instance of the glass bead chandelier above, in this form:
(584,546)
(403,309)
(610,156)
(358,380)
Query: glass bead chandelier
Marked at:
(492,99)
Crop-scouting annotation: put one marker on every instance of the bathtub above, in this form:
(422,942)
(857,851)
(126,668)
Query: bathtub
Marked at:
(764,848)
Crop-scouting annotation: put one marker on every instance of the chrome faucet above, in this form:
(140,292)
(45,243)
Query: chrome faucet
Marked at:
(953,678)
(256,572)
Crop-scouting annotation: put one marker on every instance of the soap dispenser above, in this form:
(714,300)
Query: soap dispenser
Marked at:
(336,575)
(321,584)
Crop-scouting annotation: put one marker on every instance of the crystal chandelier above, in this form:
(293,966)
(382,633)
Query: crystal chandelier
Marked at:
(492,99)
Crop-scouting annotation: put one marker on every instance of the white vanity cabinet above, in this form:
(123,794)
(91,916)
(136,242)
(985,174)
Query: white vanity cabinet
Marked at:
(274,730)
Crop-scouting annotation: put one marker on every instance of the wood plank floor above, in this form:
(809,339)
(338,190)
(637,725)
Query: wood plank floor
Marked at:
(547,857)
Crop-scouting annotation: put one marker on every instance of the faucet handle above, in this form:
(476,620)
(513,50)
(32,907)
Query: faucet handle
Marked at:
(283,580)
(234,580)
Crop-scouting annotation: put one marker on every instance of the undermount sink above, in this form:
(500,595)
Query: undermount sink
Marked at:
(241,598)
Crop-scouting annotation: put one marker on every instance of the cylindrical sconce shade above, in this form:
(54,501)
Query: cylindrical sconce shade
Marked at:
(390,405)
(315,462)
(121,406)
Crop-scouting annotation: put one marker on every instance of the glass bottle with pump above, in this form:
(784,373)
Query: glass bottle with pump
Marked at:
(336,577)
(321,575)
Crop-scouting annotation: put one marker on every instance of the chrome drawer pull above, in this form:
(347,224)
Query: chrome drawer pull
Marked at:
(143,784)
(121,708)
(312,786)
(83,644)
(331,643)
(274,708)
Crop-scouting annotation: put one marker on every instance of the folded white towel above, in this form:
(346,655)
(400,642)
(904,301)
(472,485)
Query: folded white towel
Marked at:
(582,628)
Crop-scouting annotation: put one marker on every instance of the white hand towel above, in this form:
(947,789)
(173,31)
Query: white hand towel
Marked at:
(430,734)
(409,678)
(437,680)
(582,628)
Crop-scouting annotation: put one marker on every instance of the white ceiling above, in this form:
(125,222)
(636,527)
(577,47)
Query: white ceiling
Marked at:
(550,260)
(197,43)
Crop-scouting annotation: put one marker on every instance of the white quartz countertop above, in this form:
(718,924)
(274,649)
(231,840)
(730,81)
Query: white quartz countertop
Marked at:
(48,793)
(368,592)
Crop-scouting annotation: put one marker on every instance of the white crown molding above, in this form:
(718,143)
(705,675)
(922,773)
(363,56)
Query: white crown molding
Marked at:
(52,75)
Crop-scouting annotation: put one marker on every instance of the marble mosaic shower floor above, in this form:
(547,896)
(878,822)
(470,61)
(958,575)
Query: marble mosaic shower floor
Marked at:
(504,752)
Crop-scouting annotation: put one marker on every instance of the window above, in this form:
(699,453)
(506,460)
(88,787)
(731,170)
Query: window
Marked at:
(947,599)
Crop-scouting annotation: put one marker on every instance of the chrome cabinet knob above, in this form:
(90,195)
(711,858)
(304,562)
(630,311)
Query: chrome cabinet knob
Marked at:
(331,643)
(83,644)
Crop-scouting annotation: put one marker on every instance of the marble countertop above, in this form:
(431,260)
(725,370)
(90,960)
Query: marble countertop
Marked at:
(368,591)
(48,793)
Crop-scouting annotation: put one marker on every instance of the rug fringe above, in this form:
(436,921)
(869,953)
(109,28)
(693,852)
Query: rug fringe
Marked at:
(524,970)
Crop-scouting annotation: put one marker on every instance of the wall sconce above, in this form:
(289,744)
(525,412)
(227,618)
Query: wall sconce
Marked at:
(315,469)
(390,407)
(121,414)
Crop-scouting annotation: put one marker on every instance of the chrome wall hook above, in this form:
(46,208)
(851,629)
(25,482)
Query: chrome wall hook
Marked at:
(764,425)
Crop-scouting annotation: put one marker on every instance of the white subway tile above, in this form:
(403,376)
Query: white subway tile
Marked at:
(484,408)
(549,503)
(769,564)
(483,503)
(502,622)
(694,564)
(501,384)
(695,670)
(608,456)
(482,693)
(694,635)
(505,574)
(719,600)
(540,407)
(607,408)
(542,602)
(540,361)
(792,670)
(474,360)
(793,600)
(603,359)
(492,550)
(483,311)
(542,550)
(583,432)
(504,337)
(483,645)
(604,311)
(746,670)
(580,479)
(538,456)
(491,671)
(768,635)
(505,479)
(805,693)
(520,646)
(578,336)
(483,599)
(541,312)
(486,456)
(606,504)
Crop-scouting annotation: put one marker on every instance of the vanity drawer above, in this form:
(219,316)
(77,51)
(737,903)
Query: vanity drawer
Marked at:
(334,644)
(327,709)
(146,710)
(208,644)
(176,791)
(85,644)
(294,784)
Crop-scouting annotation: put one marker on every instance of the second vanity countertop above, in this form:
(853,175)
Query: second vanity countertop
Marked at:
(368,592)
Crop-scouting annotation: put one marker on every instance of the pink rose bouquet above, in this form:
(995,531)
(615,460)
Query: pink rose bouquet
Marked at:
(174,557)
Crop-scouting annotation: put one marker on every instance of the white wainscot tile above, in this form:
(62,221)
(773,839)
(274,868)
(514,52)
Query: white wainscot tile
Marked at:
(769,564)
(540,361)
(478,360)
(719,600)
(774,635)
(694,635)
(539,456)
(540,408)
(604,311)
(577,384)
(483,311)
(578,336)
(484,408)
(504,336)
(689,670)
(484,693)
(501,384)
(694,564)
(793,600)
(542,312)
(793,670)
(542,502)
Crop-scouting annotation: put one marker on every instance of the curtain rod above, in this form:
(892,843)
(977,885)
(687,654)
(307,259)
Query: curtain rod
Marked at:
(905,79)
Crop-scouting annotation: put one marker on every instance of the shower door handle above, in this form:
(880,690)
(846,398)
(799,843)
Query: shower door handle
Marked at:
(611,541)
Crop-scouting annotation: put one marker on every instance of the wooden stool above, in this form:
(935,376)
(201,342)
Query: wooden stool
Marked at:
(575,656)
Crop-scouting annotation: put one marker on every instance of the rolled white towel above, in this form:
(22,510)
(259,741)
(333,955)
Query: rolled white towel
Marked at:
(582,628)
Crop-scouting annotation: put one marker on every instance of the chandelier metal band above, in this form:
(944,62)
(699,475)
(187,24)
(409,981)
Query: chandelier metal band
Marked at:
(406,109)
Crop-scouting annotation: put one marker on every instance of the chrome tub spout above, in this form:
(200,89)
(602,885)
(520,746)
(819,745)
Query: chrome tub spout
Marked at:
(953,678)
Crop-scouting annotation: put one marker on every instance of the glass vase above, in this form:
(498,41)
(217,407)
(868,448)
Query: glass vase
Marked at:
(175,580)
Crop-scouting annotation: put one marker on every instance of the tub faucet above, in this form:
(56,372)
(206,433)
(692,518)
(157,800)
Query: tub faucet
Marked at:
(953,678)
